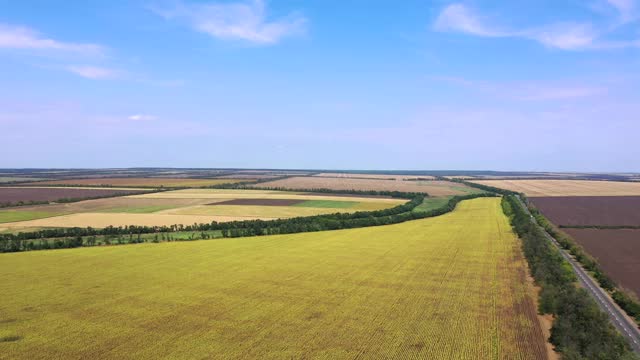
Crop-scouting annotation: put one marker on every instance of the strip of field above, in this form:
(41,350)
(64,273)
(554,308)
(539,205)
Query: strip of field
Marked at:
(140,209)
(102,220)
(256,212)
(7,216)
(261,202)
(434,188)
(617,251)
(147,182)
(375,176)
(9,179)
(294,202)
(590,210)
(431,203)
(334,204)
(25,194)
(543,188)
(222,194)
(450,286)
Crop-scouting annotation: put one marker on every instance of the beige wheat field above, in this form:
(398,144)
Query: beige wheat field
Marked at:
(535,188)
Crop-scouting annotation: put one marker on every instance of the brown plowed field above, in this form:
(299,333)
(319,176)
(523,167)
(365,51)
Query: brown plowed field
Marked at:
(261,202)
(617,251)
(590,210)
(149,182)
(16,194)
(434,188)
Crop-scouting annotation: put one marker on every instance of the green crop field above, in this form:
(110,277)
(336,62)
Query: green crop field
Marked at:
(449,287)
(431,203)
(17,215)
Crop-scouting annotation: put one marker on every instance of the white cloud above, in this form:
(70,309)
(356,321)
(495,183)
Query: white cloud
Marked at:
(626,9)
(141,117)
(459,18)
(564,36)
(557,92)
(18,37)
(93,72)
(246,21)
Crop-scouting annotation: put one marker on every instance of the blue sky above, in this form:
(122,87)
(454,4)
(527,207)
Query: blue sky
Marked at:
(537,85)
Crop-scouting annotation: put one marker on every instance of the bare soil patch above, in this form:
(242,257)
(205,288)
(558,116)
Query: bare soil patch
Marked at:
(148,182)
(16,194)
(262,202)
(617,251)
(590,210)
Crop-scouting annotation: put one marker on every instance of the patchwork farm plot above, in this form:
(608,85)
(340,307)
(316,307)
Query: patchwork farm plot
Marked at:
(452,286)
(142,182)
(616,250)
(187,207)
(433,188)
(590,210)
(543,188)
(14,179)
(10,195)
(374,176)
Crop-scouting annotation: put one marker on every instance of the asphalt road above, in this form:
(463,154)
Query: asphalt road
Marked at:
(627,327)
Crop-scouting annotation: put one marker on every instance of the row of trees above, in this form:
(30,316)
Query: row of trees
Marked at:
(580,330)
(64,236)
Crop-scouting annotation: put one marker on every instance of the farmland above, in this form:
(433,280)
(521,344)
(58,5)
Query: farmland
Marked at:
(433,188)
(10,179)
(28,194)
(144,182)
(374,176)
(590,210)
(544,188)
(187,207)
(452,286)
(617,251)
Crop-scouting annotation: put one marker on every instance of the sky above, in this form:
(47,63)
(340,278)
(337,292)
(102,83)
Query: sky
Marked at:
(539,85)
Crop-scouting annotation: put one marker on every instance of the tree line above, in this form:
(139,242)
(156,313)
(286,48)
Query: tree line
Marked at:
(580,329)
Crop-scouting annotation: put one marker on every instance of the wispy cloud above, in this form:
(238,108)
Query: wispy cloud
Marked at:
(141,117)
(626,8)
(245,21)
(528,91)
(20,37)
(459,18)
(93,72)
(565,36)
